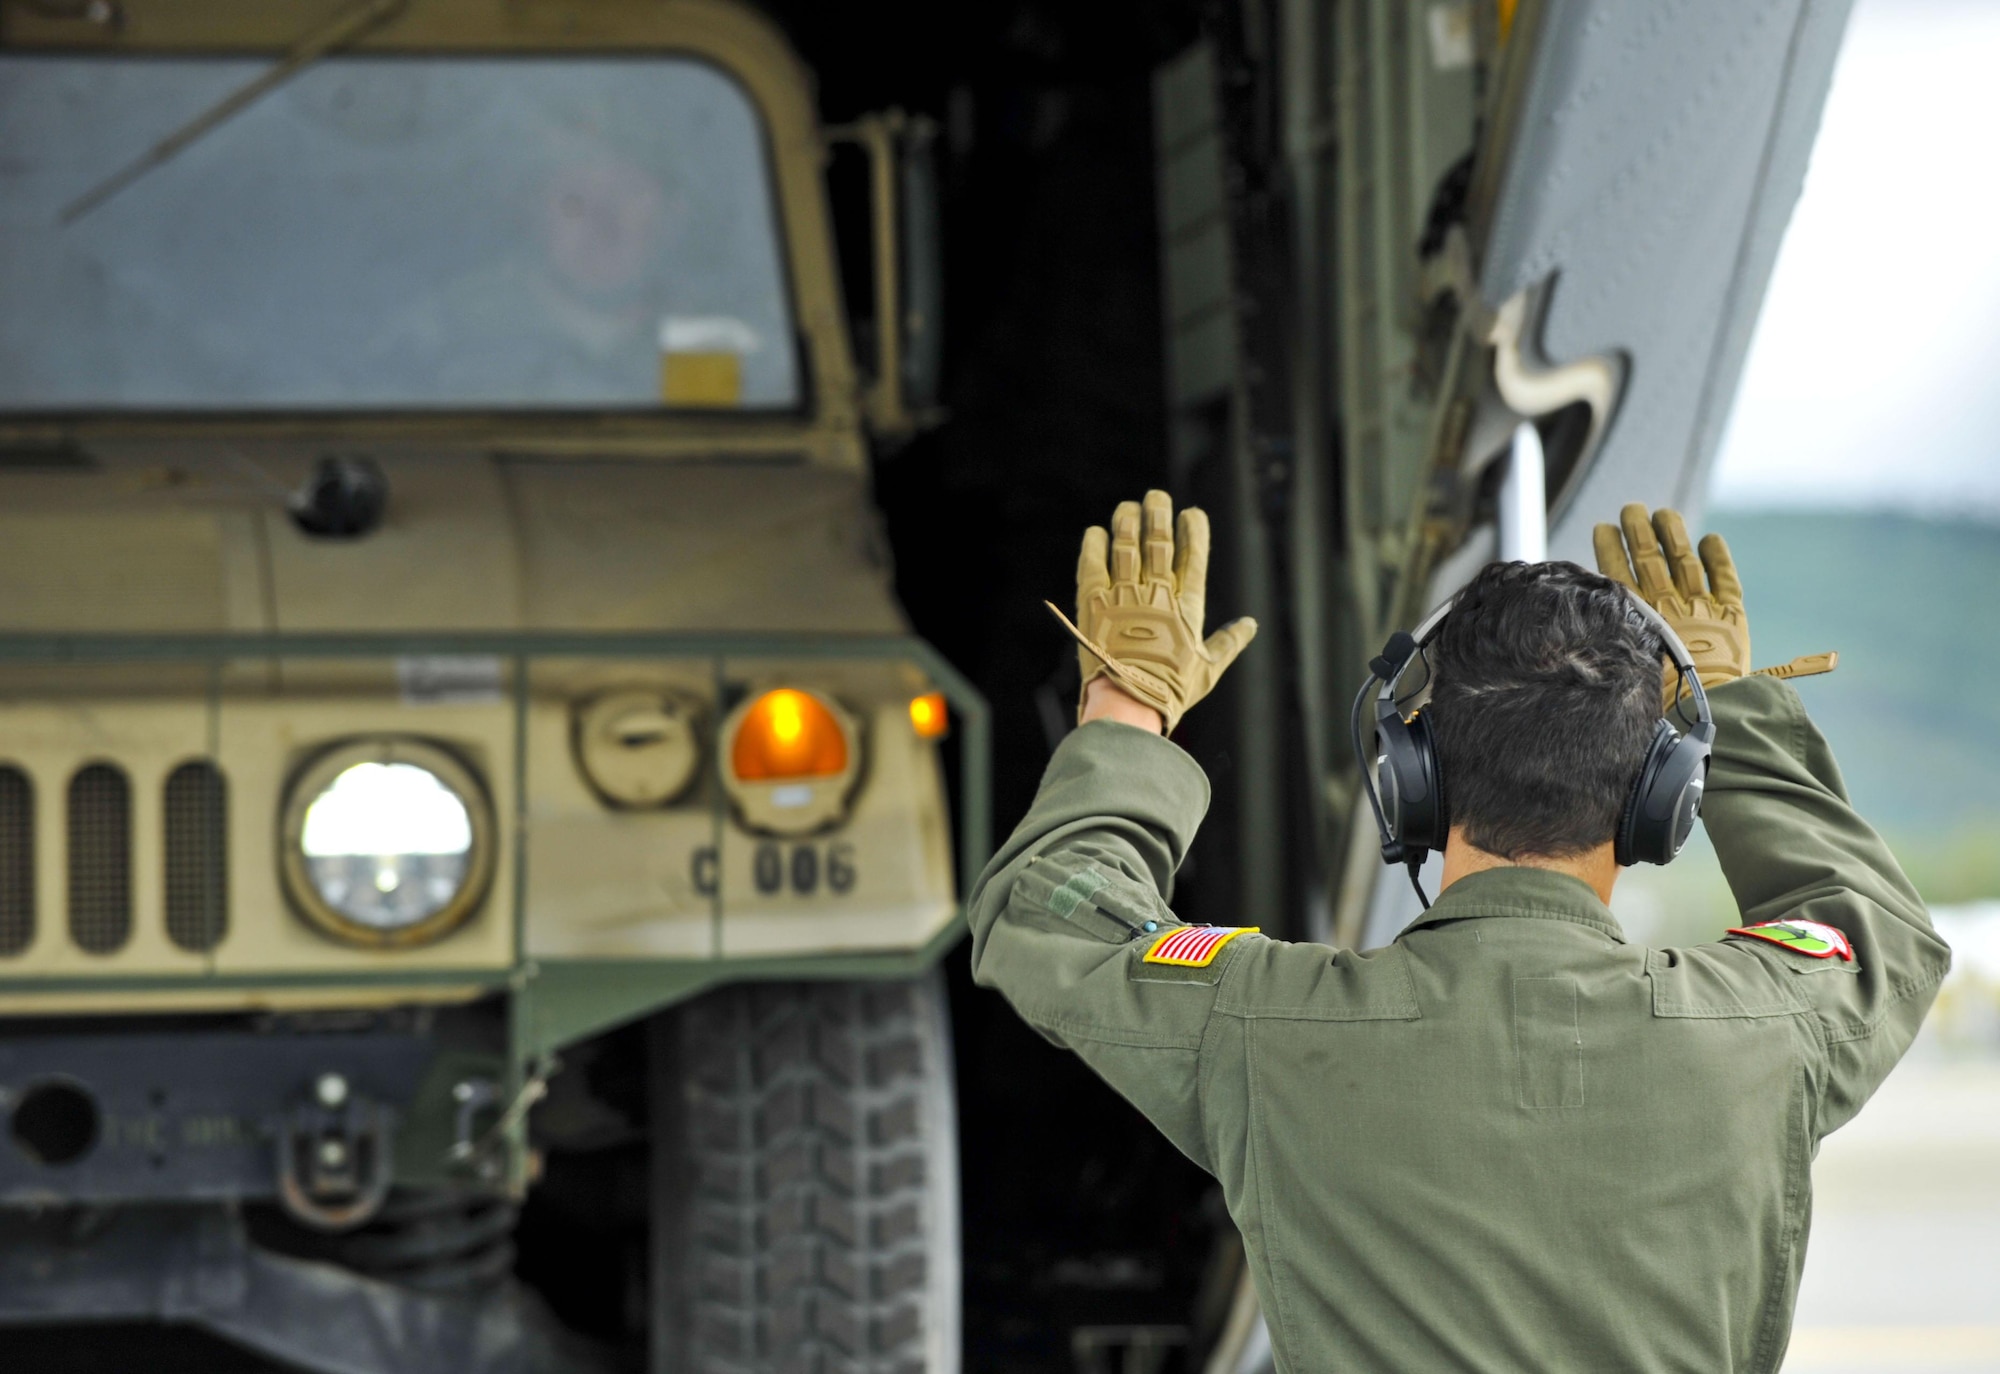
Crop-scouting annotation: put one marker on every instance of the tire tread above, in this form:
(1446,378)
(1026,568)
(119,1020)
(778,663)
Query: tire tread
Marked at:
(806,1176)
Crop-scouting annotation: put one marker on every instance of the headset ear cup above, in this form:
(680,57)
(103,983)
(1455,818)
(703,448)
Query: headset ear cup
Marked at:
(1437,815)
(1660,813)
(1637,840)
(1392,746)
(1411,784)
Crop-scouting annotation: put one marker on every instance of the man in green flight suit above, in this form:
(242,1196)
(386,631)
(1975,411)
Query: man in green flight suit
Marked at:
(1512,1139)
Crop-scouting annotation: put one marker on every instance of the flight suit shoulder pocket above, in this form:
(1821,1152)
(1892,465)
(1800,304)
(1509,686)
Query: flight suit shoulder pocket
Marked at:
(1086,897)
(1718,981)
(1799,968)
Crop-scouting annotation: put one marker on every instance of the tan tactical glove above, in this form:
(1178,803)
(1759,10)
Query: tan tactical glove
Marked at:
(1140,620)
(1707,615)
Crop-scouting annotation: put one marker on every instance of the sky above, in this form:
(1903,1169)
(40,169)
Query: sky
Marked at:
(1873,379)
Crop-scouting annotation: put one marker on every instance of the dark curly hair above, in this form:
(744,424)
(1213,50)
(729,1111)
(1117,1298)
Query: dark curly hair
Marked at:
(1545,691)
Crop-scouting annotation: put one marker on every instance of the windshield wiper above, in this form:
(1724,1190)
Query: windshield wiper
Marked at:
(347,25)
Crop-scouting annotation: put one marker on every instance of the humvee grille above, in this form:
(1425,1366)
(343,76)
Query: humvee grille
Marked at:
(17,861)
(100,858)
(197,810)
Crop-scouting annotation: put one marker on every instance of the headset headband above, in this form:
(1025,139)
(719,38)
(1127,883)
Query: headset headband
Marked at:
(1665,796)
(1670,642)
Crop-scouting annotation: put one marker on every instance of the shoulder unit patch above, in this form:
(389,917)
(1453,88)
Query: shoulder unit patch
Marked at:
(1194,946)
(1810,938)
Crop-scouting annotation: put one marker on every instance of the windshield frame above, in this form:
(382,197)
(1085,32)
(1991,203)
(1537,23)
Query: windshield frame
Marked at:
(736,43)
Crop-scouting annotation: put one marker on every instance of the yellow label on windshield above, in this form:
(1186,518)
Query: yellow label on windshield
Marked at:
(689,378)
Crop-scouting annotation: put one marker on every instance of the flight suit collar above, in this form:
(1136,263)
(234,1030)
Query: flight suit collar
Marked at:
(1538,893)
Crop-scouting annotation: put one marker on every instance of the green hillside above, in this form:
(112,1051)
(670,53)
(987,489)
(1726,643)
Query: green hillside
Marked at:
(1913,712)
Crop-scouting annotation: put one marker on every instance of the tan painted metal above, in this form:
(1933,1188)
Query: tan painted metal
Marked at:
(258,744)
(639,748)
(495,522)
(877,135)
(194,537)
(691,882)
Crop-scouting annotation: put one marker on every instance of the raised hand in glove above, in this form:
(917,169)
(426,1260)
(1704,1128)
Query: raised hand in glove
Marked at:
(1707,613)
(1139,618)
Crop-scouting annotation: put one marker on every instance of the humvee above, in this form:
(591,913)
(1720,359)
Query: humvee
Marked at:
(447,632)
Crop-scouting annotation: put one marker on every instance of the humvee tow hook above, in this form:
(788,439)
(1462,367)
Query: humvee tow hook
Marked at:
(335,1163)
(472,1097)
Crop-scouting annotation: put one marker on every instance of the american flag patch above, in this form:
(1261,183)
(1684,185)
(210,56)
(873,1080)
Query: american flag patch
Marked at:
(1193,946)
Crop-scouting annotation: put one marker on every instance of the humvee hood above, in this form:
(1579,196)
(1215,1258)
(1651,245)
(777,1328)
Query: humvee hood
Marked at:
(202,542)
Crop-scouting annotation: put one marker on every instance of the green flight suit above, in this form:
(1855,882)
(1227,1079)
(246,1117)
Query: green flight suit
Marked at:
(1512,1139)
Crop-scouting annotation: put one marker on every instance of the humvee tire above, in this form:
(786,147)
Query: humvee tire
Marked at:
(805,1181)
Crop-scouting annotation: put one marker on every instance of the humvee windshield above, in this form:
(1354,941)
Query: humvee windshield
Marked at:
(391,233)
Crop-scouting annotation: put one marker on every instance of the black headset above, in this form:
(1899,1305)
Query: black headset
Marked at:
(1407,793)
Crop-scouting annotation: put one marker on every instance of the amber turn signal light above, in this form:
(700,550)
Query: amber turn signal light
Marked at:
(928,716)
(788,734)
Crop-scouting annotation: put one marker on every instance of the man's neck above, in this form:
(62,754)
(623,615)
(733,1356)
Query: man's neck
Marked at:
(1596,867)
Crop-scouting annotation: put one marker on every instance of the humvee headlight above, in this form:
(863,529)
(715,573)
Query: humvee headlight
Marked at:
(792,759)
(387,842)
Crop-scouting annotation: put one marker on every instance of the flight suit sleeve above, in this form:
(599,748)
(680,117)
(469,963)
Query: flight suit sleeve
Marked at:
(1064,914)
(1793,848)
